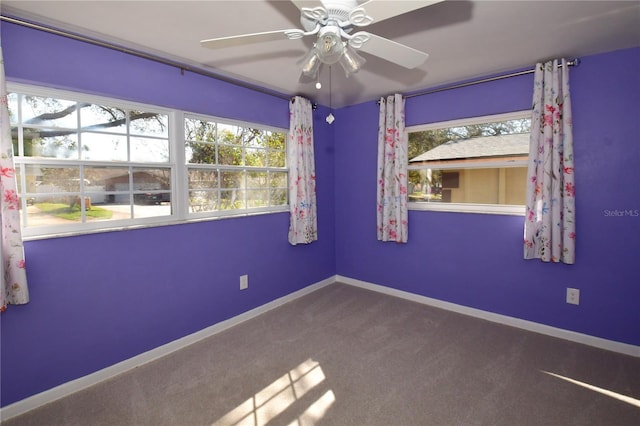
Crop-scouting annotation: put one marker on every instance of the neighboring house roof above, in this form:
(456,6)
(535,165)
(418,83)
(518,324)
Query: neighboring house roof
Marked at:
(485,146)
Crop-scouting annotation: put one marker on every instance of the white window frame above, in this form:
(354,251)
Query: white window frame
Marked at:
(502,209)
(225,167)
(176,164)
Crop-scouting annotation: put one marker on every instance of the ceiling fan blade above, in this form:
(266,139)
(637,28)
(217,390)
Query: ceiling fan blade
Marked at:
(380,10)
(391,51)
(240,40)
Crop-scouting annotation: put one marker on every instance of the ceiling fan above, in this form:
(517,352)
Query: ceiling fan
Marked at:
(333,22)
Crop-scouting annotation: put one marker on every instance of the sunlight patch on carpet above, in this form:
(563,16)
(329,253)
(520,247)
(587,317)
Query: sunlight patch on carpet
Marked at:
(274,399)
(612,394)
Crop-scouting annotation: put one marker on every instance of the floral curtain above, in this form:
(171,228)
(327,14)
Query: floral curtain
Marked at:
(549,230)
(392,171)
(303,226)
(12,266)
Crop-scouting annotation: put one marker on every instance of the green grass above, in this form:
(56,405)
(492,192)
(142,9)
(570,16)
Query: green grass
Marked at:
(63,211)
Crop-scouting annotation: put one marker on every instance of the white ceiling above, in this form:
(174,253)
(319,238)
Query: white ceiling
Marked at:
(465,39)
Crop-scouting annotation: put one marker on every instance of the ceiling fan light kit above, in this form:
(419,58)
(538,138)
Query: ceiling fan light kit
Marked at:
(330,51)
(350,60)
(310,64)
(329,46)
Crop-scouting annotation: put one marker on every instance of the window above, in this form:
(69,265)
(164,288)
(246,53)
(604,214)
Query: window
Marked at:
(233,167)
(471,165)
(86,163)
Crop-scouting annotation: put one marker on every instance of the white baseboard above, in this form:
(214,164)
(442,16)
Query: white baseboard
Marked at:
(65,389)
(573,336)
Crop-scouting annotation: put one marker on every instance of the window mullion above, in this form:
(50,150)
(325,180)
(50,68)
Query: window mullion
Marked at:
(128,130)
(132,197)
(180,177)
(83,212)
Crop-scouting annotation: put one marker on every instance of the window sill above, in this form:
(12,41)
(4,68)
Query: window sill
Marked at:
(509,210)
(154,224)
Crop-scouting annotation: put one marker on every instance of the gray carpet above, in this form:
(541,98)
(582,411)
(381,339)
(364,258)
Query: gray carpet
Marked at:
(347,356)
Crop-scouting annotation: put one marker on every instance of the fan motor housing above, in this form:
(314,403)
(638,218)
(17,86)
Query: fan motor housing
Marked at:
(337,12)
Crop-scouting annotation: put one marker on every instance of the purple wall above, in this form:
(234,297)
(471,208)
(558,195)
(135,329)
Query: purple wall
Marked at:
(476,260)
(102,298)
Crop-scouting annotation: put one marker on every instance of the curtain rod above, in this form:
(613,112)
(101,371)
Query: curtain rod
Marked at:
(572,63)
(182,67)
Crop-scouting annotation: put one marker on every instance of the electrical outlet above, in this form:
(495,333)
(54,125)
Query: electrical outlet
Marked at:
(244,282)
(573,296)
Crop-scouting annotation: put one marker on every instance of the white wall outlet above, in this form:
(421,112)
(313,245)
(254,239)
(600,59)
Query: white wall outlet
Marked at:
(573,296)
(244,282)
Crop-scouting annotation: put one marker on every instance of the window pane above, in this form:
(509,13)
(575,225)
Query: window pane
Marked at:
(230,155)
(232,199)
(152,196)
(106,178)
(50,210)
(199,130)
(54,210)
(47,179)
(49,112)
(200,153)
(12,103)
(506,185)
(255,138)
(103,147)
(203,201)
(256,179)
(276,158)
(255,157)
(472,141)
(114,179)
(115,208)
(230,134)
(278,196)
(144,150)
(107,186)
(50,143)
(98,118)
(15,142)
(470,163)
(203,179)
(147,179)
(278,180)
(152,205)
(257,198)
(231,179)
(278,185)
(149,123)
(205,197)
(276,140)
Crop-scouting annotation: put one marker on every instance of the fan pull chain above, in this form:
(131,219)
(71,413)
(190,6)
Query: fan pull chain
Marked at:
(330,118)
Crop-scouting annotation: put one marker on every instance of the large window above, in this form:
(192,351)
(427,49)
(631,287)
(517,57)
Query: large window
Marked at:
(473,165)
(87,163)
(234,167)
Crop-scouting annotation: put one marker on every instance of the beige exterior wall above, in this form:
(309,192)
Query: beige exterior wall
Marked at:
(490,186)
(516,188)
